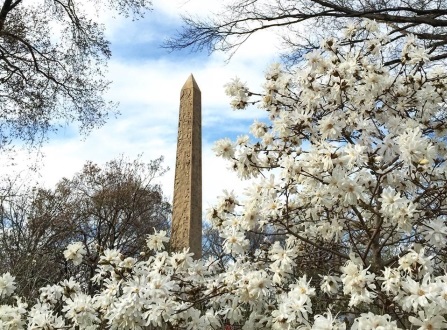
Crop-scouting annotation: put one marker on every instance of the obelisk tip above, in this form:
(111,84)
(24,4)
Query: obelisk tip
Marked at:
(190,83)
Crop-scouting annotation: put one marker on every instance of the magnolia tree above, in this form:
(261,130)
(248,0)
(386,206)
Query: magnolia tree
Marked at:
(349,191)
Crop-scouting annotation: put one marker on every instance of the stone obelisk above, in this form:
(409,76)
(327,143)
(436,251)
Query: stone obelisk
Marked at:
(187,206)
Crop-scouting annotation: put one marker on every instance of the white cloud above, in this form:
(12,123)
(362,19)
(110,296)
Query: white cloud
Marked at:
(148,90)
(175,8)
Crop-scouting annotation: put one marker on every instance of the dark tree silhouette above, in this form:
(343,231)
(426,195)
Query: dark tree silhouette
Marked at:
(114,206)
(304,22)
(52,62)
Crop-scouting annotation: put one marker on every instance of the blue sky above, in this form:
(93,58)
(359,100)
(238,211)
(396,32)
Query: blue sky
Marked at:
(147,82)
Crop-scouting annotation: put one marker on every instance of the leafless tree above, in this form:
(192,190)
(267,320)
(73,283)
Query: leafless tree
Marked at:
(302,24)
(111,207)
(52,64)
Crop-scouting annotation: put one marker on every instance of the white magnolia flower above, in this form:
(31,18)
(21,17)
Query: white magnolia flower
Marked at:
(258,129)
(156,240)
(358,283)
(41,316)
(369,321)
(238,92)
(414,147)
(75,252)
(235,241)
(327,322)
(224,148)
(416,294)
(81,311)
(435,232)
(111,256)
(428,321)
(329,284)
(13,317)
(7,285)
(414,261)
(51,294)
(391,280)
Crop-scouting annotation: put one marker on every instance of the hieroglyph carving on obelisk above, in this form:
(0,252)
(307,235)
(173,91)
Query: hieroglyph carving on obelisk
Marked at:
(187,205)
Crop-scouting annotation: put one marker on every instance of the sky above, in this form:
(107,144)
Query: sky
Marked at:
(146,83)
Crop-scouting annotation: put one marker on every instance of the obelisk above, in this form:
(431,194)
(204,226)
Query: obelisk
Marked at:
(187,206)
